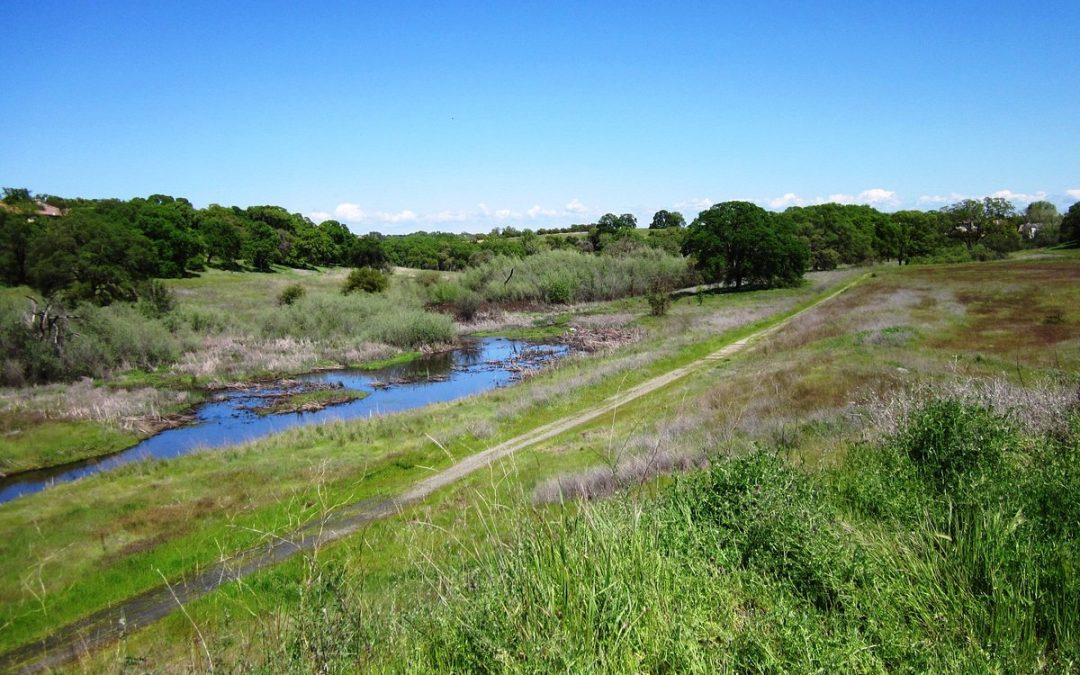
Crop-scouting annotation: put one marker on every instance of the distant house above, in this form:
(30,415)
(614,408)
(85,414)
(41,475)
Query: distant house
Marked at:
(1028,230)
(48,210)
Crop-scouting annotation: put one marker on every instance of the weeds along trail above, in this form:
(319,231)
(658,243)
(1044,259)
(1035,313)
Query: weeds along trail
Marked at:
(108,625)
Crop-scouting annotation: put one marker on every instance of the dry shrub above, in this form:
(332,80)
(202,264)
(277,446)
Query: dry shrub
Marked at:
(1038,409)
(602,481)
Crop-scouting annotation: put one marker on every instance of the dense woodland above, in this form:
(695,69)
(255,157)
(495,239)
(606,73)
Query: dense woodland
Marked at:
(101,250)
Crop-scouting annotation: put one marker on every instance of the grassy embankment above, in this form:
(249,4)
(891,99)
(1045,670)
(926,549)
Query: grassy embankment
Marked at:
(164,518)
(875,556)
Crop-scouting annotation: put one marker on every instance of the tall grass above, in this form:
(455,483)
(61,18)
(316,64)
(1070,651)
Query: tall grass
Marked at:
(951,546)
(562,277)
(358,318)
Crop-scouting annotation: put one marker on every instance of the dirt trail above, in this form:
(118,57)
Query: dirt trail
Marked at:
(108,625)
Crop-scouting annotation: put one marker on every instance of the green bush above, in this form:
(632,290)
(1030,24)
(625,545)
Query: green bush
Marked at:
(467,306)
(569,276)
(950,442)
(445,293)
(97,341)
(557,291)
(365,279)
(358,318)
(156,299)
(291,294)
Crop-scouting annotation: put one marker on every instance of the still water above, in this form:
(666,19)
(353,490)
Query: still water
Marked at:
(477,366)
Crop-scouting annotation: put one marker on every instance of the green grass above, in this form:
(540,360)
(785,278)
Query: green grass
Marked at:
(31,443)
(379,364)
(794,390)
(543,328)
(203,505)
(875,565)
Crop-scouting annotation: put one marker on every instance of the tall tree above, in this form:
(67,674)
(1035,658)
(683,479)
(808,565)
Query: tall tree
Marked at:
(740,242)
(1070,226)
(664,219)
(609,226)
(91,257)
(907,234)
(990,222)
(1042,223)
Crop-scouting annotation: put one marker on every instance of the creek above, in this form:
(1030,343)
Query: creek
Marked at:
(231,417)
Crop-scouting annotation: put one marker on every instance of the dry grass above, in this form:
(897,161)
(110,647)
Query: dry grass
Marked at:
(1039,408)
(127,409)
(226,357)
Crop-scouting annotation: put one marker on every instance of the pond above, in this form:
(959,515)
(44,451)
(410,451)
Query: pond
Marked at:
(230,417)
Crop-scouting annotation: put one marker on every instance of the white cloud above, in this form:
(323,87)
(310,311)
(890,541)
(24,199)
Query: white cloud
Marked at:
(873,197)
(1019,196)
(347,211)
(1075,194)
(878,196)
(405,216)
(696,203)
(319,216)
(931,199)
(575,206)
(449,217)
(536,211)
(789,199)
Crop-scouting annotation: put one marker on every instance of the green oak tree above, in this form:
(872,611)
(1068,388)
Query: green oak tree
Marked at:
(1070,226)
(741,243)
(664,219)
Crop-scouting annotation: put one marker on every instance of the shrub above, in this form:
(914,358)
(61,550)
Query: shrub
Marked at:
(466,306)
(557,291)
(156,299)
(358,318)
(950,442)
(365,279)
(97,341)
(569,276)
(445,292)
(659,297)
(415,328)
(291,294)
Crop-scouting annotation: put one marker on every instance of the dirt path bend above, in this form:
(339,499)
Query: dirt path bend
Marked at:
(113,623)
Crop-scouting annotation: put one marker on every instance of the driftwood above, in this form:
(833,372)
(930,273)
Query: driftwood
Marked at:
(49,325)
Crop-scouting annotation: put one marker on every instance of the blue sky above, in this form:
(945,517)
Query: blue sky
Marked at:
(398,116)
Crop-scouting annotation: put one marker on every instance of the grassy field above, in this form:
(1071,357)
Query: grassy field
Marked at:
(850,371)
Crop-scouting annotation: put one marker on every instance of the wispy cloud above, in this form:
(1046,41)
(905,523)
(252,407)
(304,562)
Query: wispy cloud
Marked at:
(482,216)
(349,211)
(1075,194)
(872,197)
(935,200)
(697,203)
(1018,196)
(575,206)
(538,211)
(789,199)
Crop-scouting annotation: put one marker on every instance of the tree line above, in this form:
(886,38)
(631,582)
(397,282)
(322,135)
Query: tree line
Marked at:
(102,250)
